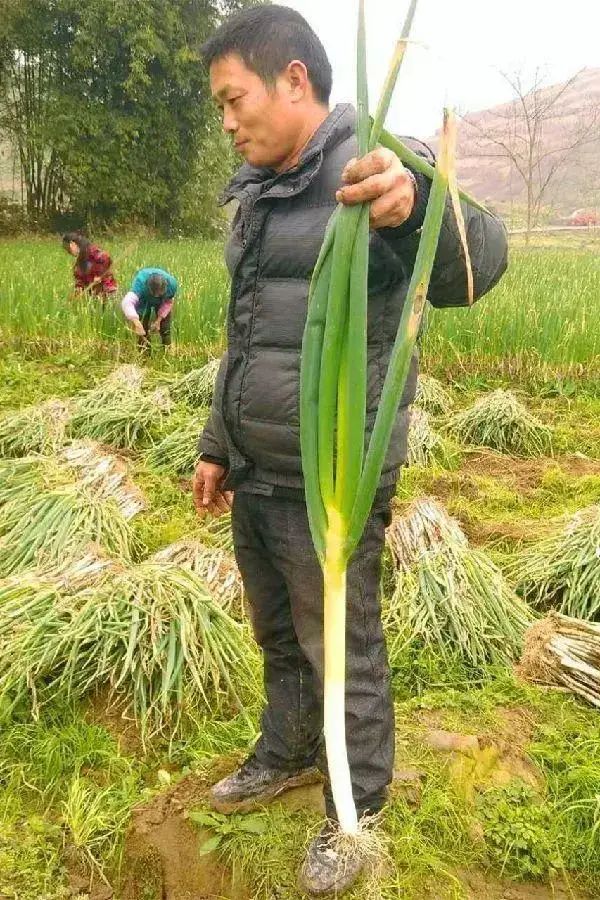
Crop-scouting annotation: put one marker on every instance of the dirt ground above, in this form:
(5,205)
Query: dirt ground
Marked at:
(478,886)
(525,475)
(161,856)
(162,860)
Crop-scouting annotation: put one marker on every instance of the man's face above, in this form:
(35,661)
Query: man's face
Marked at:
(263,121)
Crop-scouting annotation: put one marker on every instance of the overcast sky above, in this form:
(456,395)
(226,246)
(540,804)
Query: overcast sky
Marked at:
(458,47)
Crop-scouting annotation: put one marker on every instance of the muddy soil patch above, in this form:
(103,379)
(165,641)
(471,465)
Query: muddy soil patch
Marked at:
(478,761)
(114,718)
(162,859)
(525,475)
(511,531)
(480,886)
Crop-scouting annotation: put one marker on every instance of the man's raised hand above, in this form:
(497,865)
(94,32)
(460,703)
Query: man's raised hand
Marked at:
(379,178)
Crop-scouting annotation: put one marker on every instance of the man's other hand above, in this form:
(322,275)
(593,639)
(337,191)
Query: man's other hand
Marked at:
(379,178)
(208,496)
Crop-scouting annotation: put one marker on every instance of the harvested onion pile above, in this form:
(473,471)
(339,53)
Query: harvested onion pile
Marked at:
(448,595)
(565,652)
(498,420)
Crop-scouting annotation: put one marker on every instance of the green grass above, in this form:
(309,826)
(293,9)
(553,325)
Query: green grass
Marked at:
(37,313)
(540,318)
(538,323)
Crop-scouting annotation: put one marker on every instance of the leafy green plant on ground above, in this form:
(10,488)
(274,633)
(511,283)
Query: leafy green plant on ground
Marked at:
(519,833)
(222,827)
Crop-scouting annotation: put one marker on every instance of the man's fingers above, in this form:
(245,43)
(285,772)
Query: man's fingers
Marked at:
(198,491)
(221,503)
(203,489)
(393,208)
(369,189)
(209,488)
(218,507)
(374,163)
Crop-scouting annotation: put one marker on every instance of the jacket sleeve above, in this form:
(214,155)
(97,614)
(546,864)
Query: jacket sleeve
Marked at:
(486,239)
(212,445)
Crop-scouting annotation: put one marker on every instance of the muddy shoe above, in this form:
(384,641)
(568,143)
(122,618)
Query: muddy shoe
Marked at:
(254,785)
(326,871)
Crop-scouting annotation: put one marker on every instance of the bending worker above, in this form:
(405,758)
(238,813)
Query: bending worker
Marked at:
(152,293)
(92,269)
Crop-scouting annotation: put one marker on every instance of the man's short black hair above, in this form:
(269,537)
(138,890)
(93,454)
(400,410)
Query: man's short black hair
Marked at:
(268,38)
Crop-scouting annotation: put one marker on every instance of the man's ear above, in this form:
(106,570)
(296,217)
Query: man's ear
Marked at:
(297,82)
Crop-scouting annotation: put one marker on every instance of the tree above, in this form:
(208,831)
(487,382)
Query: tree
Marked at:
(537,132)
(106,103)
(29,80)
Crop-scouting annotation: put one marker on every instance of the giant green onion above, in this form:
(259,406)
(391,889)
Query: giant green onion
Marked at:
(340,484)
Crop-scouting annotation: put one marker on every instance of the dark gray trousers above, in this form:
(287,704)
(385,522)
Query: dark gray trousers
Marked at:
(284,587)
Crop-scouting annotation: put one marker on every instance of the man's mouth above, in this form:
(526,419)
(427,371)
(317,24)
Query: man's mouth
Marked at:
(239,144)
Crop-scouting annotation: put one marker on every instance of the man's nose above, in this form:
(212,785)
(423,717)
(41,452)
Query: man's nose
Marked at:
(230,124)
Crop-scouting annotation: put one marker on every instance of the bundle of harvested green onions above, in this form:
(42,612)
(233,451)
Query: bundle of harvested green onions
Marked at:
(565,652)
(77,464)
(498,420)
(562,569)
(34,429)
(152,633)
(122,421)
(177,453)
(432,396)
(104,475)
(125,379)
(448,595)
(426,446)
(340,478)
(36,608)
(424,528)
(215,566)
(196,388)
(59,525)
(23,478)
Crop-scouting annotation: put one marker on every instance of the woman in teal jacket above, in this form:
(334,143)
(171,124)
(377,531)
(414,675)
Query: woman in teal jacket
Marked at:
(151,296)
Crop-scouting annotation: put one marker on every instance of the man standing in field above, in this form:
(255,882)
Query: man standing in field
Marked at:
(271,78)
(148,305)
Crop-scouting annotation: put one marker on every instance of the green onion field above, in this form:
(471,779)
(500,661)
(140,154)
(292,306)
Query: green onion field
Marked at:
(129,679)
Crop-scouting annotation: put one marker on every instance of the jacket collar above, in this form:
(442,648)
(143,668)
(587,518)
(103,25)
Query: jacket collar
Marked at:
(338,126)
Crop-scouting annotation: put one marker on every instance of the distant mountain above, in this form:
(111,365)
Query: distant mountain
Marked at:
(496,181)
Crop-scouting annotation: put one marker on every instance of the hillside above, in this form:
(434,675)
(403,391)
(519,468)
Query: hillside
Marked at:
(496,179)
